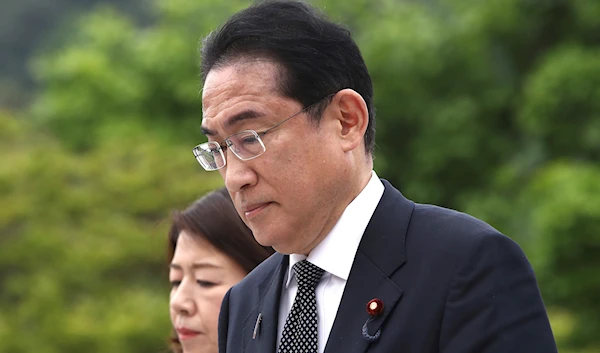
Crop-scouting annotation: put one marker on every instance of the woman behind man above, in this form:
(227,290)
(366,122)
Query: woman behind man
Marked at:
(210,250)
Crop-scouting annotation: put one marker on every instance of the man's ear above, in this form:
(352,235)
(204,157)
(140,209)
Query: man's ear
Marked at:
(353,116)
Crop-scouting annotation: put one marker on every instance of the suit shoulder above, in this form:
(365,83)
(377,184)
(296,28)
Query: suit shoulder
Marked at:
(439,219)
(263,271)
(449,230)
(427,220)
(440,239)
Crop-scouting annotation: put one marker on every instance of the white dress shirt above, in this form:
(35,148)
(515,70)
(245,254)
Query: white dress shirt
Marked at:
(334,254)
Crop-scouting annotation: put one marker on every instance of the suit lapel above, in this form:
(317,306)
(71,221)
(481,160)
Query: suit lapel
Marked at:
(380,254)
(269,292)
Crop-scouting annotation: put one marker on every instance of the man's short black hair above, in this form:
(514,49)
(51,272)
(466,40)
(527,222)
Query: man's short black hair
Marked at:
(318,57)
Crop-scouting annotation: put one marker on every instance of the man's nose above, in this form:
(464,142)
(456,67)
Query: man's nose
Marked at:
(238,174)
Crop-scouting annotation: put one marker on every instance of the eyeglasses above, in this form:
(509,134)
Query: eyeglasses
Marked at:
(246,145)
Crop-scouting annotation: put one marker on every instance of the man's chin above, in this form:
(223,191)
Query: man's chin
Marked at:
(286,249)
(263,238)
(266,239)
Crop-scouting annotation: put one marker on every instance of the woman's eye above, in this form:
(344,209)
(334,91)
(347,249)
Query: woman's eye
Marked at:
(205,284)
(175,283)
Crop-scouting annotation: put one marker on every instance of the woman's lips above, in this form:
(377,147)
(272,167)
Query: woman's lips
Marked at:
(185,333)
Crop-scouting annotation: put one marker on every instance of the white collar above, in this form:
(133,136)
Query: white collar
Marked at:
(335,253)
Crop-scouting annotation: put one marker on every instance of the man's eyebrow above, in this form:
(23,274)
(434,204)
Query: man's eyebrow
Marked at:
(233,120)
(206,131)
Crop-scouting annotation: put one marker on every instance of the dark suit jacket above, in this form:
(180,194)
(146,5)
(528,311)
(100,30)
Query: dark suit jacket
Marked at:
(450,283)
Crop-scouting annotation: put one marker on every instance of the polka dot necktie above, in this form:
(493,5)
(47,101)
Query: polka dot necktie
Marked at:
(300,330)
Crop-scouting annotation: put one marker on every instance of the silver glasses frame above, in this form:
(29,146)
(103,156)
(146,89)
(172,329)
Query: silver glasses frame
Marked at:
(212,147)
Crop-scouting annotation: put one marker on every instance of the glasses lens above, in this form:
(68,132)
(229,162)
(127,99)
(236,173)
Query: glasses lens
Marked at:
(209,155)
(246,144)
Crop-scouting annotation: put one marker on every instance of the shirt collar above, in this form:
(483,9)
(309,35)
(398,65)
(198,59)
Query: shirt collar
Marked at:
(335,253)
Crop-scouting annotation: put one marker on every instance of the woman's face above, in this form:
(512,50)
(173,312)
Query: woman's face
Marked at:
(200,276)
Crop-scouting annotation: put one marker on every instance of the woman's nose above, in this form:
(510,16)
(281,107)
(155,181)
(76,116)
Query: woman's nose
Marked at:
(182,300)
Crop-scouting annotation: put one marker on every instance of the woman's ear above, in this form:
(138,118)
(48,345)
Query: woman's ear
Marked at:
(353,116)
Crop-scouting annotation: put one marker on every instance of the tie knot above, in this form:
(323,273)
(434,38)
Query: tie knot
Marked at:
(307,274)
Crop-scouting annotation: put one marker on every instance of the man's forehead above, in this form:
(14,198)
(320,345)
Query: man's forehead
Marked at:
(230,107)
(235,94)
(233,84)
(241,72)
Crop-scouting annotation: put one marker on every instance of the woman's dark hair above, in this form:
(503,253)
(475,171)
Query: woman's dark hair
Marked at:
(317,57)
(214,218)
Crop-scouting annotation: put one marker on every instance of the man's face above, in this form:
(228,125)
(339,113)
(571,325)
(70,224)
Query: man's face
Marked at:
(290,195)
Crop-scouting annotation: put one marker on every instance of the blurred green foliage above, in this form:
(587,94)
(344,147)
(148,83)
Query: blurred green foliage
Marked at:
(82,247)
(28,27)
(488,107)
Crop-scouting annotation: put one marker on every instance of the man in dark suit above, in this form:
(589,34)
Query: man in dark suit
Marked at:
(359,267)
